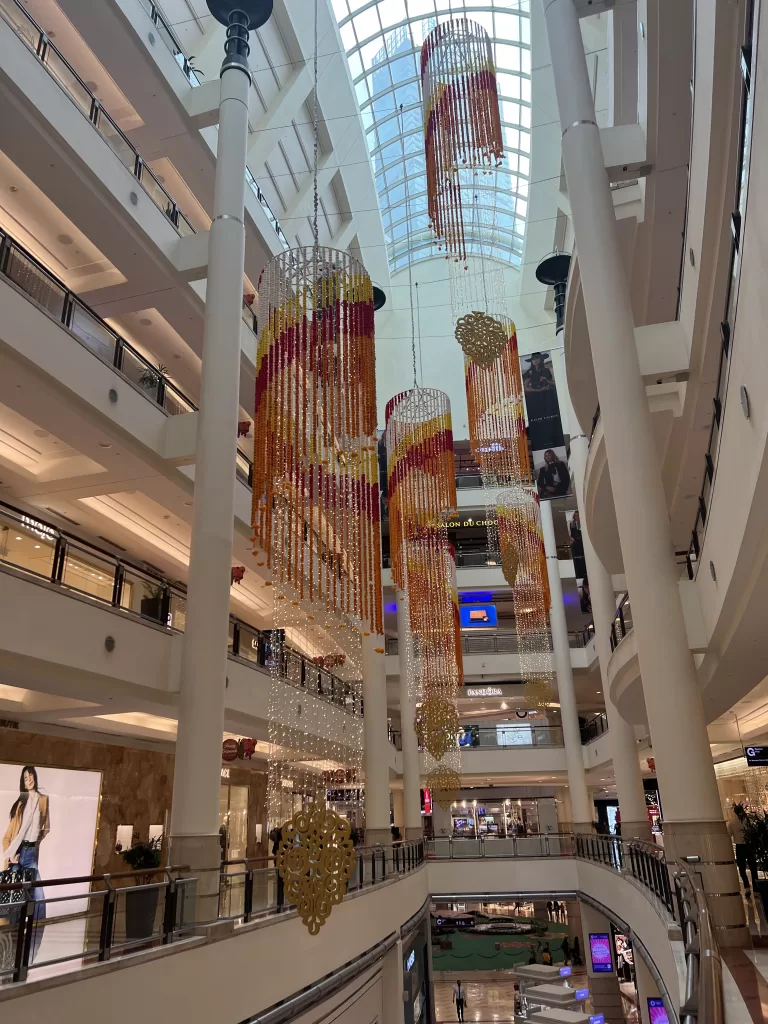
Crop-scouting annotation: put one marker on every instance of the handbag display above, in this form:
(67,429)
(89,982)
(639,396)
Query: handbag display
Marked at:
(12,874)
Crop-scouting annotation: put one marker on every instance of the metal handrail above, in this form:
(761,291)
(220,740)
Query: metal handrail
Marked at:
(502,641)
(96,114)
(704,998)
(158,382)
(295,668)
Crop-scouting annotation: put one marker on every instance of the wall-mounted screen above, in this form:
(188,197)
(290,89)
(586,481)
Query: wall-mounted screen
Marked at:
(657,1011)
(475,616)
(600,952)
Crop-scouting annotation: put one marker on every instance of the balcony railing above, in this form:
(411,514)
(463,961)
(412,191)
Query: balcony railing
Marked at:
(501,641)
(168,36)
(247,890)
(27,29)
(20,268)
(594,727)
(622,623)
(42,551)
(728,324)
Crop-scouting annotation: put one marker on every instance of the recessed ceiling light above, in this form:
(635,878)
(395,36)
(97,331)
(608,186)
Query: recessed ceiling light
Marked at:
(145,321)
(18,538)
(37,546)
(187,503)
(41,433)
(104,444)
(65,239)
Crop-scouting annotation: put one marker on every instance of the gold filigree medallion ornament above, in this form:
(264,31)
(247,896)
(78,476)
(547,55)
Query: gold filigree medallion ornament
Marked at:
(538,694)
(482,338)
(315,860)
(445,785)
(438,725)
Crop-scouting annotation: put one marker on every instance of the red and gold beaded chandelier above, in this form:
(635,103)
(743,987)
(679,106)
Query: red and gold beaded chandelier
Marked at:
(499,443)
(422,495)
(462,123)
(315,472)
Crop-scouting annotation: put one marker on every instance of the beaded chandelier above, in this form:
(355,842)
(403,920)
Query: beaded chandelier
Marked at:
(315,474)
(422,494)
(462,124)
(499,444)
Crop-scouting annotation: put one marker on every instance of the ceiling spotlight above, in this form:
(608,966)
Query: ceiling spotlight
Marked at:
(104,444)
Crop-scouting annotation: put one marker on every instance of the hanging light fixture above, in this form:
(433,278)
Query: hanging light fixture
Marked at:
(462,124)
(315,516)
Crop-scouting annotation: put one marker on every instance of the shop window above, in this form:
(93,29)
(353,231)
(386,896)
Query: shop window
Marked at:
(27,545)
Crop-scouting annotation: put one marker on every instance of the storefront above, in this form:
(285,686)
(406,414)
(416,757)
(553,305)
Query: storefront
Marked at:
(416,987)
(497,813)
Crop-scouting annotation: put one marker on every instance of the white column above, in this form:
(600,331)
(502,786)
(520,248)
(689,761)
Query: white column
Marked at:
(392,1003)
(411,756)
(693,821)
(197,773)
(621,734)
(574,758)
(375,741)
(675,714)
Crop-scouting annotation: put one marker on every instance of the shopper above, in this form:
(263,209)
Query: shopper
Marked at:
(744,856)
(460,999)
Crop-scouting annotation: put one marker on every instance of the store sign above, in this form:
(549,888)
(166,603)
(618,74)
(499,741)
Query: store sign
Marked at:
(225,773)
(757,755)
(39,529)
(469,521)
(597,1018)
(427,801)
(411,960)
(582,994)
(229,750)
(483,691)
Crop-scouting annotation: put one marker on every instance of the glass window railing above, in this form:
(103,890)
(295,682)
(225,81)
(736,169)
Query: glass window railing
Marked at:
(36,282)
(34,547)
(27,29)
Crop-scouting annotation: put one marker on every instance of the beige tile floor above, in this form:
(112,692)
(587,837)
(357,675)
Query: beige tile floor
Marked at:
(491,1000)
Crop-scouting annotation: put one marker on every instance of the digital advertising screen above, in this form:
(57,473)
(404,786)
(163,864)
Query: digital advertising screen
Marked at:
(474,616)
(657,1012)
(600,952)
(49,818)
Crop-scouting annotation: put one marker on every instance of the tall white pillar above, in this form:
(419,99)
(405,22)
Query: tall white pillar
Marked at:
(375,742)
(621,734)
(411,756)
(197,773)
(574,758)
(693,821)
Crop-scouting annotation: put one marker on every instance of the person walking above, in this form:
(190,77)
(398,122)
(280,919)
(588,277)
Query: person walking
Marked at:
(460,1000)
(744,855)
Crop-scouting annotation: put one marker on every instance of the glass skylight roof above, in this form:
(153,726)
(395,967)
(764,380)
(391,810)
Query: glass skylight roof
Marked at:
(382,39)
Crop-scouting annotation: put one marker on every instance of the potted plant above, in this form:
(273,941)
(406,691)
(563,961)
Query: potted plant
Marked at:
(141,905)
(150,376)
(755,826)
(152,602)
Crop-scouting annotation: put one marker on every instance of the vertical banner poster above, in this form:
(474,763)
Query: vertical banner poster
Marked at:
(573,523)
(49,818)
(545,428)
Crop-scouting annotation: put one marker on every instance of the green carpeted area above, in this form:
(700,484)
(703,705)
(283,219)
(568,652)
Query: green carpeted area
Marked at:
(472,950)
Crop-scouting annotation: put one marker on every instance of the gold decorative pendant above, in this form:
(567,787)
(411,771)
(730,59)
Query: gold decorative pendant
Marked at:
(538,694)
(315,860)
(444,784)
(439,725)
(510,562)
(482,338)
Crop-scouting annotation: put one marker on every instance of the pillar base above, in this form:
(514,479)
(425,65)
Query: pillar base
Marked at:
(202,855)
(378,837)
(637,830)
(583,827)
(414,833)
(710,841)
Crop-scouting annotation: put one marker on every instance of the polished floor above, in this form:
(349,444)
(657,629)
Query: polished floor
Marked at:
(485,1001)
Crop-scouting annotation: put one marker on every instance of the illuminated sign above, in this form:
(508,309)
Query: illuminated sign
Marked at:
(483,691)
(656,1011)
(565,972)
(39,529)
(582,994)
(225,773)
(411,960)
(600,950)
(757,755)
(478,615)
(597,1018)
